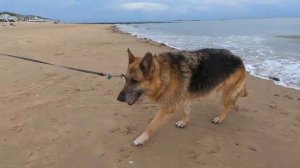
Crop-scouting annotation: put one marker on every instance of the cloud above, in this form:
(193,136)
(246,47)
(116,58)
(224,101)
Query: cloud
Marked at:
(239,3)
(225,6)
(222,2)
(146,6)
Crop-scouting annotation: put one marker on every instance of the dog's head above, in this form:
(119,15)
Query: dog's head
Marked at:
(142,78)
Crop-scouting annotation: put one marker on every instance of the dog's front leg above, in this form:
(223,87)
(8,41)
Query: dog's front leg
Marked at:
(186,117)
(158,120)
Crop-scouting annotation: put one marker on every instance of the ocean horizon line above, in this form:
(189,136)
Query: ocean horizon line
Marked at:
(180,20)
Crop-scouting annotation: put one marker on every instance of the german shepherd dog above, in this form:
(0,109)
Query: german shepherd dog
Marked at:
(176,78)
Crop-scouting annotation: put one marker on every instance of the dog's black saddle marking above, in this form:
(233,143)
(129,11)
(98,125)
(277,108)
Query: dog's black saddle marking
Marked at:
(214,66)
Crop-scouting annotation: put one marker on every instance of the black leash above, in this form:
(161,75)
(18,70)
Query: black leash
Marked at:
(109,76)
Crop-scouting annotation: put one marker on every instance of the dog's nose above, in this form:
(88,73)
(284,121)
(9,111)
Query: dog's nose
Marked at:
(121,97)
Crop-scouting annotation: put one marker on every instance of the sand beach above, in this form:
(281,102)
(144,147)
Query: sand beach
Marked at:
(53,117)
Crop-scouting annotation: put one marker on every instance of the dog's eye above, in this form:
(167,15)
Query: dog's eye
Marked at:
(134,81)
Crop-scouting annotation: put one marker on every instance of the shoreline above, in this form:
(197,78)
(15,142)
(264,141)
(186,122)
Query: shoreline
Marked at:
(159,43)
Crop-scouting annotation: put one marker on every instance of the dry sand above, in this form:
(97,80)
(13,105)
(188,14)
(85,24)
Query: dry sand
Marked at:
(56,118)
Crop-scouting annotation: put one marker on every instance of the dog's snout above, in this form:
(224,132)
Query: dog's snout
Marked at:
(122,97)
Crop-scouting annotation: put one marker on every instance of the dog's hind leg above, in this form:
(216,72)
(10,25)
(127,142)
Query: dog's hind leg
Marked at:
(233,88)
(243,92)
(186,115)
(228,103)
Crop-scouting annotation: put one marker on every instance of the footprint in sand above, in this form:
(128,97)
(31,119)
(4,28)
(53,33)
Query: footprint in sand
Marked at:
(208,146)
(58,124)
(288,97)
(59,53)
(298,118)
(115,130)
(51,74)
(195,158)
(242,109)
(18,128)
(125,152)
(127,130)
(273,106)
(284,113)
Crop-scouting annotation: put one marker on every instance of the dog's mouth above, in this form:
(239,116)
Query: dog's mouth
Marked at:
(134,99)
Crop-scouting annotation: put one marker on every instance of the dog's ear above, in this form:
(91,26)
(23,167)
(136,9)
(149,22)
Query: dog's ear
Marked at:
(130,56)
(147,64)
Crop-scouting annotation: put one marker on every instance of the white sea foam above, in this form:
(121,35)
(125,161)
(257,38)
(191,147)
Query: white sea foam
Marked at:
(261,59)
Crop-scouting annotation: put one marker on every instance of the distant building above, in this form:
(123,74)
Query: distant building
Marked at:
(35,19)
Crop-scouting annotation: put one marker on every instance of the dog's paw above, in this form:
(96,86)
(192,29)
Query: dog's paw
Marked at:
(216,120)
(181,123)
(141,139)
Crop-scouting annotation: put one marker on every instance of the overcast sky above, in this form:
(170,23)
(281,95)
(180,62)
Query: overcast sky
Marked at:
(154,10)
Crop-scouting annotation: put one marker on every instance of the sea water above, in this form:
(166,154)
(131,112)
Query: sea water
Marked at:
(268,47)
